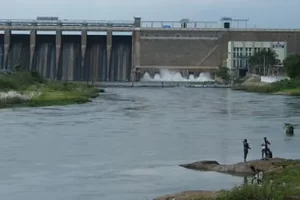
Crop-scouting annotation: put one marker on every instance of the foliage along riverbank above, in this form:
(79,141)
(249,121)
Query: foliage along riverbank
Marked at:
(284,87)
(281,182)
(30,89)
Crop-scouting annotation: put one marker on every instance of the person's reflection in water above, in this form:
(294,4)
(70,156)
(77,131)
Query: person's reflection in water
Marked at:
(245,180)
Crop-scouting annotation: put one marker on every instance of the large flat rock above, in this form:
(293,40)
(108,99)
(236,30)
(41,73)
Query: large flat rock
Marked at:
(238,168)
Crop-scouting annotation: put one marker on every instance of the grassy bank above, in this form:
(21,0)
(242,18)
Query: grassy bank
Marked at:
(287,87)
(282,183)
(30,89)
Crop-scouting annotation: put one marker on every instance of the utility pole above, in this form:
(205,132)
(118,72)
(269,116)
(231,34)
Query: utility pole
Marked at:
(264,65)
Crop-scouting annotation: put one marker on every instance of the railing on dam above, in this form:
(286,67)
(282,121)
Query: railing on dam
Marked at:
(125,25)
(86,24)
(65,22)
(178,24)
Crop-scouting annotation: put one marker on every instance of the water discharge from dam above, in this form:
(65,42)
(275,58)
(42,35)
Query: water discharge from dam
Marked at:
(70,63)
(167,75)
(44,58)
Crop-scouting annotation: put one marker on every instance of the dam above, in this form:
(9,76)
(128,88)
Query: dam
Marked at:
(89,50)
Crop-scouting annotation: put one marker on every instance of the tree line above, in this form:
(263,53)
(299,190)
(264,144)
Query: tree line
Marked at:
(266,62)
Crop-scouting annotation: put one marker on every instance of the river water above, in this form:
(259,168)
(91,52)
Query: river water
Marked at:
(128,143)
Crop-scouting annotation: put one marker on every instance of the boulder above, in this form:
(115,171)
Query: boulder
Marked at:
(289,129)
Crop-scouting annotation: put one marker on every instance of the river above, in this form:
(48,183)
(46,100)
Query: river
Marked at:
(127,144)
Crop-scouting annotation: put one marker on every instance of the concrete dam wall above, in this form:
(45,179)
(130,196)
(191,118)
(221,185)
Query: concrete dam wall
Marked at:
(112,57)
(95,65)
(203,49)
(187,49)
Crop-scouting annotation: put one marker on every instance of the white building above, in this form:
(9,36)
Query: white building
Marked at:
(240,51)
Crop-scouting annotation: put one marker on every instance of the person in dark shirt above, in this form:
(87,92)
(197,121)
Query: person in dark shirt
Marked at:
(246,148)
(266,142)
(266,149)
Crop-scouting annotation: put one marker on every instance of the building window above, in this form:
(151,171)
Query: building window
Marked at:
(248,51)
(278,45)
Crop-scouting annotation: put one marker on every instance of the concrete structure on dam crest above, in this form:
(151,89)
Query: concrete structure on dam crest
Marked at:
(188,48)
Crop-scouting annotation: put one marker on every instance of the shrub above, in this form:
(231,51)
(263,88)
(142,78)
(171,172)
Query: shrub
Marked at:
(270,87)
(249,192)
(19,80)
(222,72)
(292,65)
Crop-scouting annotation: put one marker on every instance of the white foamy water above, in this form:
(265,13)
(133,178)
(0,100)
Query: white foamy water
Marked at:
(14,94)
(272,79)
(167,75)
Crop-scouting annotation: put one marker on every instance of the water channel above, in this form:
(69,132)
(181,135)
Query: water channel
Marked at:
(127,144)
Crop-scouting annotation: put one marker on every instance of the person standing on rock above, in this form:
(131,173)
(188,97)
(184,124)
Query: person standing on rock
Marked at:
(266,149)
(246,148)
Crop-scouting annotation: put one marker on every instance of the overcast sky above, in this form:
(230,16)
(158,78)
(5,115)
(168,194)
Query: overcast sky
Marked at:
(262,13)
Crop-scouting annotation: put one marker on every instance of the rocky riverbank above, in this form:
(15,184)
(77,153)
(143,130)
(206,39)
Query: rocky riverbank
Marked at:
(283,173)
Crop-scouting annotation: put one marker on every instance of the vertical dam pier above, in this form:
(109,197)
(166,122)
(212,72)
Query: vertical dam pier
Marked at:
(121,51)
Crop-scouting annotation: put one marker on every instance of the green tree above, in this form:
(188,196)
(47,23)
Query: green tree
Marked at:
(222,72)
(292,65)
(263,60)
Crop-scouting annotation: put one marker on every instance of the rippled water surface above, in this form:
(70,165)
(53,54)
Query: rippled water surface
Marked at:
(128,143)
